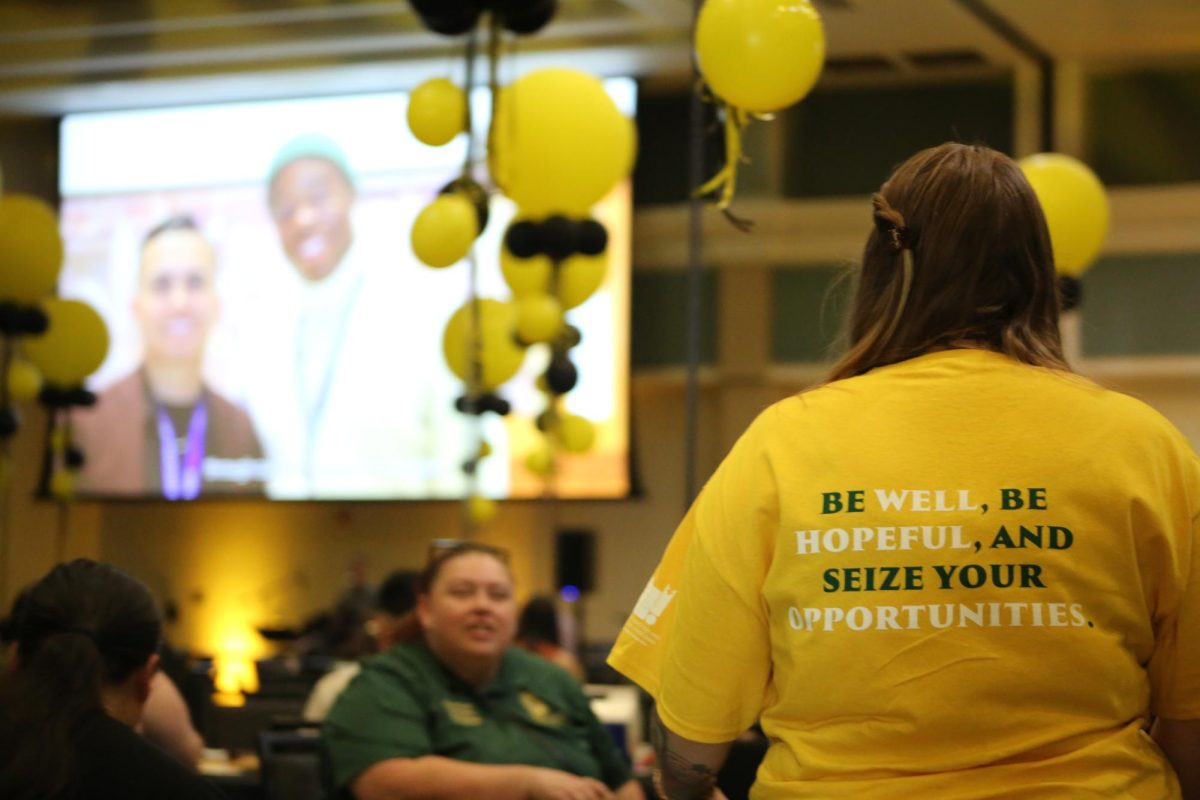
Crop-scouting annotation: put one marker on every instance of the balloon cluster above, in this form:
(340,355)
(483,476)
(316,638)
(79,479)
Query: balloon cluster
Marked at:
(47,345)
(455,17)
(757,57)
(1075,206)
(557,145)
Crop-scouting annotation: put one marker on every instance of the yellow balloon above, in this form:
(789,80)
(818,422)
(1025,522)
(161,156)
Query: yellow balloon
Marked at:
(540,461)
(73,347)
(760,55)
(444,231)
(481,509)
(62,485)
(31,249)
(437,111)
(1076,209)
(539,318)
(24,380)
(559,142)
(499,355)
(576,433)
(578,277)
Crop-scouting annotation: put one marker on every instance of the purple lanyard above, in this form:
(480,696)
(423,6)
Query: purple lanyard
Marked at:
(181,481)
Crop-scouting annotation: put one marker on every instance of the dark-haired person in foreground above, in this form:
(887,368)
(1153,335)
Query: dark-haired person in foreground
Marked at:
(86,637)
(160,430)
(955,569)
(455,711)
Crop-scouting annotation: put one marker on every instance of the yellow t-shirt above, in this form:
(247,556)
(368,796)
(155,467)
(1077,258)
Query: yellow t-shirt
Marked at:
(954,577)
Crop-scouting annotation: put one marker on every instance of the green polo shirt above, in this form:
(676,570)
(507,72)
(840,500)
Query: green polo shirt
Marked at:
(405,704)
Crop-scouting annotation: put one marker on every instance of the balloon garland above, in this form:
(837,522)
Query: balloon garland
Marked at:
(48,346)
(557,144)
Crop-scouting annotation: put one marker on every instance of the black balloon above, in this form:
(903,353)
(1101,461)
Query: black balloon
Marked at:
(466,405)
(18,320)
(530,19)
(448,17)
(80,397)
(558,237)
(32,320)
(561,375)
(591,238)
(1070,292)
(543,421)
(9,316)
(74,457)
(495,404)
(52,397)
(523,239)
(8,422)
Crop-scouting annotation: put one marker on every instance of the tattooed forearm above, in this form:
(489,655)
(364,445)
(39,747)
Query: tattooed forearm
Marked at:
(687,770)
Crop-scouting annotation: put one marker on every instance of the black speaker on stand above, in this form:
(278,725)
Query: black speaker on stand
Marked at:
(575,578)
(575,560)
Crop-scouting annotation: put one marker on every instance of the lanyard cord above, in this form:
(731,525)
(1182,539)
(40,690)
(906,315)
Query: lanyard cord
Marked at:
(182,473)
(312,415)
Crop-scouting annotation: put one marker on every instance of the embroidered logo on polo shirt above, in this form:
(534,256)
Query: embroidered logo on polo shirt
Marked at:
(539,712)
(653,602)
(461,713)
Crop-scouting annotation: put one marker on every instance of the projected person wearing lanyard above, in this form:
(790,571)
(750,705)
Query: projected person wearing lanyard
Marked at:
(160,430)
(351,398)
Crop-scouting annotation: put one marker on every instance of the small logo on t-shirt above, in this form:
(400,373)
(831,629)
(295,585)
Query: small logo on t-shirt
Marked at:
(461,713)
(653,602)
(539,711)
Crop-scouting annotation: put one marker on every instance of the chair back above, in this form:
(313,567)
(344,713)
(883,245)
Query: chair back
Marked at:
(291,764)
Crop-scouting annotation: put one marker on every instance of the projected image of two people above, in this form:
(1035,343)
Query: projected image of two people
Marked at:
(271,331)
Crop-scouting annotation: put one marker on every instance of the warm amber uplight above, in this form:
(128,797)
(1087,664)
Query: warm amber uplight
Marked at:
(234,664)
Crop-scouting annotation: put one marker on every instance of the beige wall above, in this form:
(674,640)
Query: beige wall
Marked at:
(234,564)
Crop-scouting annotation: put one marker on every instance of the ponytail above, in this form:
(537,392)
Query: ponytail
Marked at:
(80,628)
(40,704)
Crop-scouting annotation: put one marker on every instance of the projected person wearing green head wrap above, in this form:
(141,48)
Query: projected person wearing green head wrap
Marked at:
(353,400)
(311,193)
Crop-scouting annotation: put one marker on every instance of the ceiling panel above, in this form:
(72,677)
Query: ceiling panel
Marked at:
(1108,31)
(59,55)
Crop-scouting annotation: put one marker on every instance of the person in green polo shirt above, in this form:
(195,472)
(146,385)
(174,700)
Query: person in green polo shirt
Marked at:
(455,711)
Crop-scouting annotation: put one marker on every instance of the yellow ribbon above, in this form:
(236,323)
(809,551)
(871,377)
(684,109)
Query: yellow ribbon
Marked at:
(726,179)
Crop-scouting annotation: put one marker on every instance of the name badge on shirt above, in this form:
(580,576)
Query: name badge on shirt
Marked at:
(461,713)
(539,712)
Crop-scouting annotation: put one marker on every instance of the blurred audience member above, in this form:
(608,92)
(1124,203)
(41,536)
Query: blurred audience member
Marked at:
(167,722)
(538,632)
(397,597)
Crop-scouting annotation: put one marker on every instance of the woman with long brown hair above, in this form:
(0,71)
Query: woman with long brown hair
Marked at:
(953,570)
